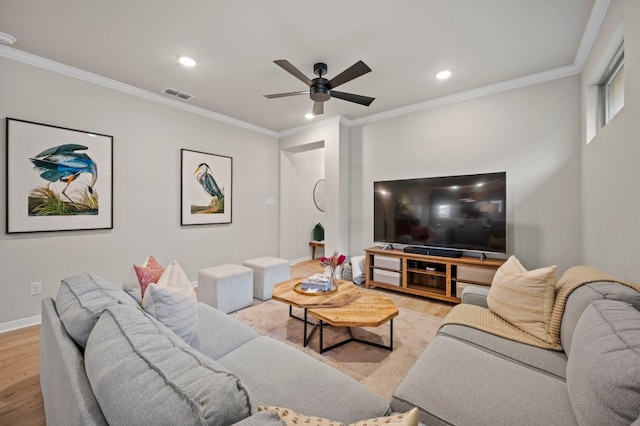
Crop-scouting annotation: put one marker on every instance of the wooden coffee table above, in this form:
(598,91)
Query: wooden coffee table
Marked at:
(346,307)
(369,310)
(285,292)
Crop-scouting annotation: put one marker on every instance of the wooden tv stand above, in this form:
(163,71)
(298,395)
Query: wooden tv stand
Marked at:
(429,276)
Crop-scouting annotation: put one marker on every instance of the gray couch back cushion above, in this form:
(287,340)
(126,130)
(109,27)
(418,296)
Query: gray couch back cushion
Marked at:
(81,299)
(583,296)
(603,370)
(142,373)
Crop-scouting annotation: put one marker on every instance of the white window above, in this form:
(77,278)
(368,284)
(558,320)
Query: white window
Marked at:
(611,88)
(444,210)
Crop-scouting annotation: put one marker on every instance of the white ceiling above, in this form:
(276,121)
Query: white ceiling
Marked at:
(235,42)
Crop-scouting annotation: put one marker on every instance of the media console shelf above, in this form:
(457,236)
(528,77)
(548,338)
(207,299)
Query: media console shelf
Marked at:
(436,277)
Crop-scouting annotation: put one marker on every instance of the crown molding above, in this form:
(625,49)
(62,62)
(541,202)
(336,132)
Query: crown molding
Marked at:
(598,13)
(472,94)
(37,61)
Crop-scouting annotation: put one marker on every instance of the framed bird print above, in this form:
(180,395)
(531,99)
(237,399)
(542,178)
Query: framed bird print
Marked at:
(58,179)
(205,188)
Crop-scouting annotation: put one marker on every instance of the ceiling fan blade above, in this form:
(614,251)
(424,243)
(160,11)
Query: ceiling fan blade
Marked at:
(318,108)
(282,95)
(354,71)
(359,99)
(286,65)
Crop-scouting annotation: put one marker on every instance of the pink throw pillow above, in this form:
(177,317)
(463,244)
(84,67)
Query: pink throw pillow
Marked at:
(148,274)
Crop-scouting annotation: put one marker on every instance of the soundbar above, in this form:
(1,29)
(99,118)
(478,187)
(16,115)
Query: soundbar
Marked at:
(430,251)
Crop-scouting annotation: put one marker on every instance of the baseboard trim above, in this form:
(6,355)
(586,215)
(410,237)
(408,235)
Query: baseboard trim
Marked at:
(21,323)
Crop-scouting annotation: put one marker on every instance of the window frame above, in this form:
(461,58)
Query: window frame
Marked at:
(604,88)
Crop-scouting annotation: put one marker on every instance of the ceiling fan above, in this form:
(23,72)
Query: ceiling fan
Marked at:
(321,89)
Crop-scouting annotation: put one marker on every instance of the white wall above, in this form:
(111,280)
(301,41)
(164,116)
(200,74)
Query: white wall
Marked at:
(610,161)
(309,167)
(532,133)
(147,140)
(333,138)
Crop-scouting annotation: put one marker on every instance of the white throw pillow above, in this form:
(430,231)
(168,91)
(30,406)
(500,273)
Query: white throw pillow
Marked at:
(175,276)
(175,307)
(173,302)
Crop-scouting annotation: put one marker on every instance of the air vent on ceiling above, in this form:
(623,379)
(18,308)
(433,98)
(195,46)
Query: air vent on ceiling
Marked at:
(177,93)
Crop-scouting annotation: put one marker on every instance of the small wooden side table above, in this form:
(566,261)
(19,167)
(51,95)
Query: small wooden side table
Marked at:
(314,244)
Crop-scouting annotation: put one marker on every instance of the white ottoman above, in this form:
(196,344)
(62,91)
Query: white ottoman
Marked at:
(226,287)
(267,271)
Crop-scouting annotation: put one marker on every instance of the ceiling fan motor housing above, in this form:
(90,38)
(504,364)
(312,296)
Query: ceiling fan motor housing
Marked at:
(318,91)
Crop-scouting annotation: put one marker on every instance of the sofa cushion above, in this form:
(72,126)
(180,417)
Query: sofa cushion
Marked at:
(546,361)
(524,298)
(219,333)
(290,378)
(603,371)
(175,307)
(453,382)
(80,301)
(142,373)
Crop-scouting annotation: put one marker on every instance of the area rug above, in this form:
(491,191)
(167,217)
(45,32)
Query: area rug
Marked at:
(378,369)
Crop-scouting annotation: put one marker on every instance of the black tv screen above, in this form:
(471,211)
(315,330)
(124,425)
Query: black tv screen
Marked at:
(456,212)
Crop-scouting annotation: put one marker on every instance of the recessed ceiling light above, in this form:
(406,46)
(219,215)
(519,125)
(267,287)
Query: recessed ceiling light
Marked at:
(187,61)
(443,75)
(309,116)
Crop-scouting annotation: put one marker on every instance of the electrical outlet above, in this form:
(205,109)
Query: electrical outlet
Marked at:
(236,255)
(35,288)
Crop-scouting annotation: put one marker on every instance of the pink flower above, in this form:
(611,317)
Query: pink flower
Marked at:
(334,261)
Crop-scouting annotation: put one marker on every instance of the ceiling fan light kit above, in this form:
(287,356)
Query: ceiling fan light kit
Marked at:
(7,39)
(321,89)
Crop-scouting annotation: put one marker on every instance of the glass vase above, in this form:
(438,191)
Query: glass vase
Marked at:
(333,280)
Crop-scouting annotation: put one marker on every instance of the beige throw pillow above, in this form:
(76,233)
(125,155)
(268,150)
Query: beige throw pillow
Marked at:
(524,298)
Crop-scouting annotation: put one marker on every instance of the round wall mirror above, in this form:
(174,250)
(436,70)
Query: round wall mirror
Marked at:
(318,195)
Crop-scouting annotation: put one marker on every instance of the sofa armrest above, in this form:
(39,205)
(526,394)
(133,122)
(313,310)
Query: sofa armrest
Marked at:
(475,295)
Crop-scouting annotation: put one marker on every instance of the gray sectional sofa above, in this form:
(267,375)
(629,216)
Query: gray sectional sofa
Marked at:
(104,360)
(468,377)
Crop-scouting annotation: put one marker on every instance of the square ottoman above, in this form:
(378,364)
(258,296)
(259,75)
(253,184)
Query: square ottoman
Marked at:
(267,271)
(226,287)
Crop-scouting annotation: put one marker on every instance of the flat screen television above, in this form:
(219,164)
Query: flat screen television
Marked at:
(462,213)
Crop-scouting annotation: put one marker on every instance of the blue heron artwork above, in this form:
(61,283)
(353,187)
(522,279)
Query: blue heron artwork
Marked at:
(64,164)
(205,178)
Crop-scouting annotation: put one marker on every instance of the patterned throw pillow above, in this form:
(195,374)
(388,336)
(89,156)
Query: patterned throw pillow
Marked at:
(524,298)
(148,274)
(291,418)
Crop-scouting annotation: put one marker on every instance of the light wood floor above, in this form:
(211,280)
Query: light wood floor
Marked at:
(20,397)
